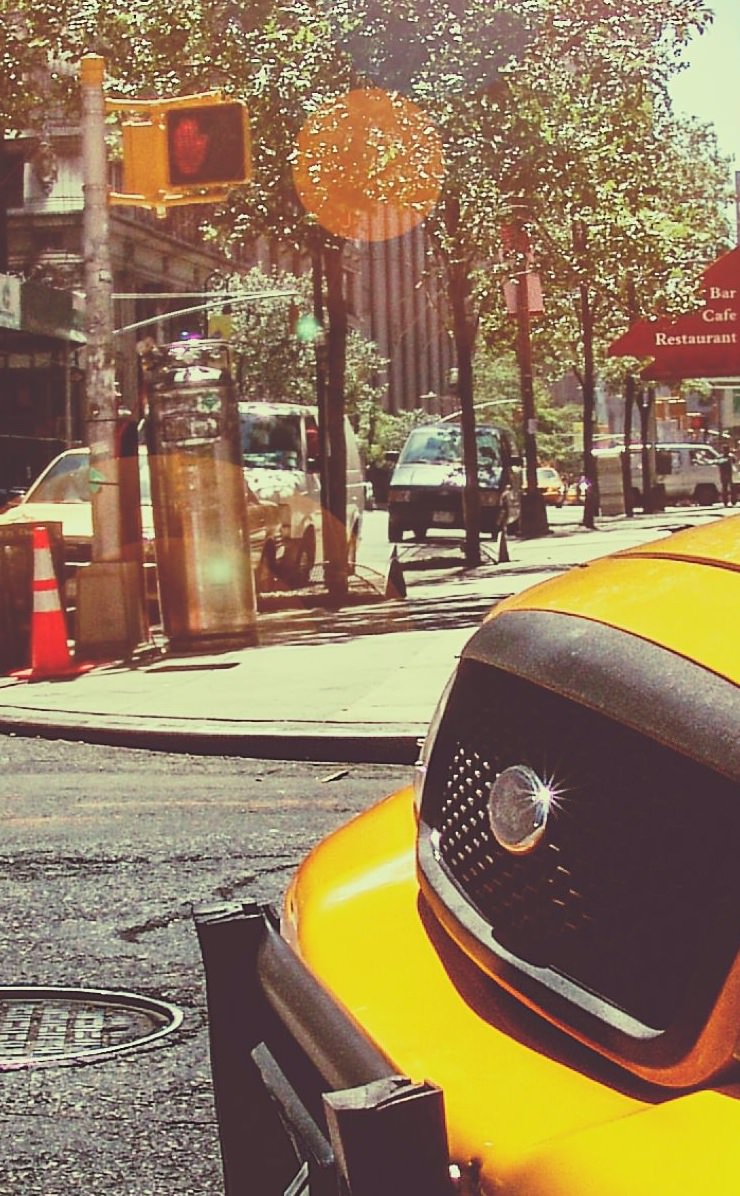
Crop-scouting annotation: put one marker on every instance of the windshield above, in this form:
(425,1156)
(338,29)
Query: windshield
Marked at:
(271,441)
(443,445)
(69,481)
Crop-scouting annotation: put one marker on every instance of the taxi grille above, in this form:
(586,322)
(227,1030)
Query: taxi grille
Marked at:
(635,884)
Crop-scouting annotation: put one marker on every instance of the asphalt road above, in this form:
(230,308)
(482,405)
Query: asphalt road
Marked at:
(103,853)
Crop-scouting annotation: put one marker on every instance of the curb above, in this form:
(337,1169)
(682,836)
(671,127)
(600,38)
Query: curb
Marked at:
(351,743)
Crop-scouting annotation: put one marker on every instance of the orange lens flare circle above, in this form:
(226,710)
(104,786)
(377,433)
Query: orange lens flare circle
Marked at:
(370,165)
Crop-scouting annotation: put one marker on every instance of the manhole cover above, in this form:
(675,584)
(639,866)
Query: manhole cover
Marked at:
(46,1027)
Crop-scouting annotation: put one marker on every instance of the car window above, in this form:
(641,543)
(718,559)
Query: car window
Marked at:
(69,481)
(271,441)
(444,446)
(431,445)
(489,449)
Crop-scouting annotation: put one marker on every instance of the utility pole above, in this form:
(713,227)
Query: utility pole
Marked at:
(110,620)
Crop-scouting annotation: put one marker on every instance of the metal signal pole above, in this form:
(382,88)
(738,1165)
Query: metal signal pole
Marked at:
(110,618)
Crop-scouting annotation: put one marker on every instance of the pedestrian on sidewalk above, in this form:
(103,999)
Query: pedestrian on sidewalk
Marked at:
(725,476)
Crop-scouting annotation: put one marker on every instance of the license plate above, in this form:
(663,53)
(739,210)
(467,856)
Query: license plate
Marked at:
(443,517)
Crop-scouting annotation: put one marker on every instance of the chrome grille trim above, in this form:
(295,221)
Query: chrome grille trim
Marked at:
(628,910)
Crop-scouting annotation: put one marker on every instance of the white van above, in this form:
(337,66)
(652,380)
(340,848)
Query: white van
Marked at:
(687,473)
(280,449)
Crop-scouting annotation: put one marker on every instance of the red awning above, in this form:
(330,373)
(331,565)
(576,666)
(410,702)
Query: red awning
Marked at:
(701,344)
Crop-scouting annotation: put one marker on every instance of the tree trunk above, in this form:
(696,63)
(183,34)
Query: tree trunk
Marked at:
(645,404)
(588,384)
(464,336)
(629,404)
(4,174)
(335,513)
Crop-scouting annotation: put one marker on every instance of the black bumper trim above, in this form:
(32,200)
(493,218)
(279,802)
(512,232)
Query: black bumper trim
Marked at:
(305,1101)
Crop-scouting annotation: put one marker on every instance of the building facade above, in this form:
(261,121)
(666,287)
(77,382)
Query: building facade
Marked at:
(162,266)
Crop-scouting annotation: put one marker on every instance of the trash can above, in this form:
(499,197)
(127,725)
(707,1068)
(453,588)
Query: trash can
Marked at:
(16,588)
(610,482)
(199,499)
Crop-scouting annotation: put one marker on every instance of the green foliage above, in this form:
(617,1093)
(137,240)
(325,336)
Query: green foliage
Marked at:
(379,432)
(566,107)
(277,362)
(274,362)
(498,400)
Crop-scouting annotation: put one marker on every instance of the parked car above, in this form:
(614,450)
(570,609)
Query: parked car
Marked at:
(550,485)
(9,496)
(544,928)
(280,445)
(62,494)
(685,472)
(426,489)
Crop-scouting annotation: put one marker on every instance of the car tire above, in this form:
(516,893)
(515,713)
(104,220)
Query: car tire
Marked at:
(420,531)
(305,559)
(395,528)
(706,494)
(267,570)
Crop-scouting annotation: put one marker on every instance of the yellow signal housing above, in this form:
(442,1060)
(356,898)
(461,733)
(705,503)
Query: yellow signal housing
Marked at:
(191,149)
(144,159)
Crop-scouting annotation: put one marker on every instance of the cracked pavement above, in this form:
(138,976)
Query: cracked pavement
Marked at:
(103,853)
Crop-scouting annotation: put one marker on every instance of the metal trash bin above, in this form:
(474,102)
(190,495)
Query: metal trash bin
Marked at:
(199,499)
(16,588)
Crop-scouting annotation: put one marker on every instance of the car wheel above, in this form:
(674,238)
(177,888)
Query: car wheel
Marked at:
(420,531)
(266,571)
(395,528)
(705,495)
(304,560)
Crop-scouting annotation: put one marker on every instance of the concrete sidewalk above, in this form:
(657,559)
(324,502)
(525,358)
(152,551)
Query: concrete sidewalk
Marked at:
(358,684)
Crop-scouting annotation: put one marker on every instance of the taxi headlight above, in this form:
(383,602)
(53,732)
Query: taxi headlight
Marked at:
(427,744)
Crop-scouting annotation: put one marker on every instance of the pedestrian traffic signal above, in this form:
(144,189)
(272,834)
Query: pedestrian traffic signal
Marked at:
(185,150)
(207,145)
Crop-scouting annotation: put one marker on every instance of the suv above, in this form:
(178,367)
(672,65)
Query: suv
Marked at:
(280,447)
(520,975)
(427,485)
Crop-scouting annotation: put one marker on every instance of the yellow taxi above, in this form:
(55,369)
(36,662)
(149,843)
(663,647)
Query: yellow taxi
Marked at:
(521,975)
(551,486)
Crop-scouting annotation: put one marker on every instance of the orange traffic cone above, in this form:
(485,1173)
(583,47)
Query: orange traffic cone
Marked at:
(50,657)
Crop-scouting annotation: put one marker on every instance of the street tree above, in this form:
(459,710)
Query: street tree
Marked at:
(282,60)
(560,104)
(537,104)
(498,400)
(635,198)
(275,340)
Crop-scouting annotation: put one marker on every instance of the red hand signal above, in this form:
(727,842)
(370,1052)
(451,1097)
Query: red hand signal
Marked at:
(190,146)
